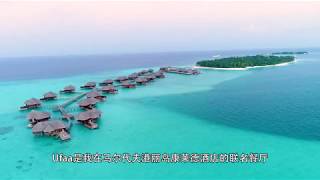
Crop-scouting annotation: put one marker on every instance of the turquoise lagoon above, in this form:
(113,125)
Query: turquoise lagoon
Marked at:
(272,110)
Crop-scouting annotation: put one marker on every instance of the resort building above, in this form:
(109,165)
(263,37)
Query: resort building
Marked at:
(89,118)
(106,82)
(195,72)
(96,95)
(133,76)
(68,89)
(36,116)
(31,103)
(150,77)
(49,96)
(89,85)
(143,72)
(88,103)
(121,79)
(141,81)
(164,69)
(109,89)
(127,84)
(185,71)
(159,74)
(51,128)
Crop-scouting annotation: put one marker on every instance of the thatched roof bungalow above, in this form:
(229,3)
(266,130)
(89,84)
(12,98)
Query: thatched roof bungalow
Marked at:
(88,103)
(89,85)
(159,74)
(68,89)
(127,84)
(36,116)
(164,69)
(141,81)
(51,128)
(31,103)
(133,76)
(89,118)
(109,89)
(143,72)
(106,82)
(195,72)
(97,95)
(186,71)
(121,79)
(150,77)
(49,96)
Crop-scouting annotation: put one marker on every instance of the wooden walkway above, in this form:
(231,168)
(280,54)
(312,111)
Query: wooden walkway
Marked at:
(196,72)
(64,113)
(175,72)
(72,100)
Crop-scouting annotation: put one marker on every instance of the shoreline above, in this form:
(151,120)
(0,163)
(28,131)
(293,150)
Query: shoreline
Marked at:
(246,68)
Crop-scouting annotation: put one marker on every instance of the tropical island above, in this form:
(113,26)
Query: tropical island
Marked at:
(245,61)
(289,53)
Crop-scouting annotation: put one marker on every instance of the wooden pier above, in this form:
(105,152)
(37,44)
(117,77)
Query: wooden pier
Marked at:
(67,103)
(72,100)
(185,71)
(64,113)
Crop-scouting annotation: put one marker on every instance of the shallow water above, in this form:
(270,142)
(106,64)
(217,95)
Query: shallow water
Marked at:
(268,110)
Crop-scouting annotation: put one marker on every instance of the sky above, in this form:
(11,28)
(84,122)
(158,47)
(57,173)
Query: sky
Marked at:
(69,28)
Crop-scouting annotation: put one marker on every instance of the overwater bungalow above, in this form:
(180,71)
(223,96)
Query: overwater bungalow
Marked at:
(121,79)
(51,128)
(109,89)
(97,95)
(36,116)
(164,69)
(143,72)
(159,74)
(49,96)
(31,103)
(106,82)
(181,71)
(68,89)
(185,71)
(141,81)
(89,118)
(133,76)
(127,84)
(195,72)
(150,77)
(88,103)
(89,85)
(173,69)
(189,71)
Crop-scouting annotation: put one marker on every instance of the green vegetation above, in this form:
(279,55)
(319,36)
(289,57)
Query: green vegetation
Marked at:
(289,53)
(245,61)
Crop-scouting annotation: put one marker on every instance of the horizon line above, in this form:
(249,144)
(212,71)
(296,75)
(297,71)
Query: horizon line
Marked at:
(156,52)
